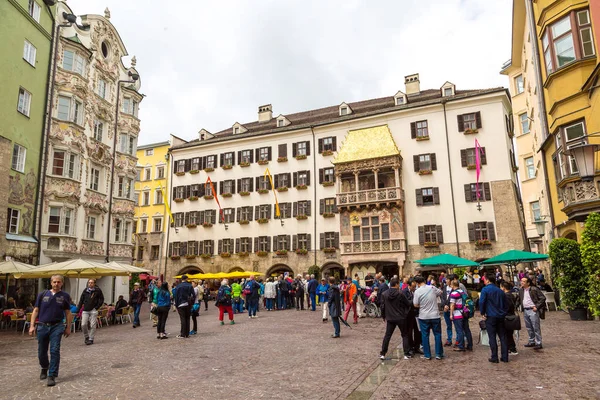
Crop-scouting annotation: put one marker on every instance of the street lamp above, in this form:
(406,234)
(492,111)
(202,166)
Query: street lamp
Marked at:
(540,226)
(584,157)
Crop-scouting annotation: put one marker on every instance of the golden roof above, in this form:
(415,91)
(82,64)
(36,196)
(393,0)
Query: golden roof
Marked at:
(364,144)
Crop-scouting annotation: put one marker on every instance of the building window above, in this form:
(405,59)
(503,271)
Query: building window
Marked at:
(264,211)
(158,197)
(98,130)
(302,178)
(94,178)
(285,210)
(130,106)
(90,227)
(263,153)
(246,213)
(146,198)
(124,187)
(12,221)
(431,235)
(195,164)
(211,161)
(208,247)
(70,109)
(60,220)
(469,121)
(303,208)
(519,84)
(228,159)
(447,92)
(154,252)
(562,42)
(236,130)
(246,156)
(149,152)
(34,10)
(147,173)
(399,100)
(227,246)
(29,53)
(424,162)
(160,172)
(481,231)
(536,214)
(102,88)
(24,102)
(282,180)
(143,225)
(574,132)
(328,144)
(228,215)
(245,245)
(175,248)
(157,225)
(304,241)
(263,243)
(370,229)
(18,158)
(73,62)
(282,242)
(524,120)
(122,230)
(422,130)
(330,240)
(301,148)
(344,111)
(179,219)
(127,144)
(329,206)
(280,123)
(471,192)
(529,168)
(427,195)
(64,164)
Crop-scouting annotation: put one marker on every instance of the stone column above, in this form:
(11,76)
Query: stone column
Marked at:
(397,176)
(356,181)
(376,172)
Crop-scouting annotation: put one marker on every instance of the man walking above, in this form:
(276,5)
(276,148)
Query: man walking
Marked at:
(51,308)
(534,305)
(136,299)
(335,306)
(414,335)
(493,308)
(322,290)
(312,292)
(394,311)
(184,298)
(91,300)
(425,299)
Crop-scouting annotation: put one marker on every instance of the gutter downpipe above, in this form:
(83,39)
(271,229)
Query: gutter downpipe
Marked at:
(315,177)
(167,225)
(541,105)
(451,181)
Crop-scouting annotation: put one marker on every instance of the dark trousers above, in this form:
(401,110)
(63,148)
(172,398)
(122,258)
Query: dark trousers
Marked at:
(50,337)
(299,300)
(313,301)
(252,305)
(495,327)
(389,331)
(184,318)
(205,303)
(162,313)
(463,333)
(510,340)
(336,325)
(194,315)
(414,335)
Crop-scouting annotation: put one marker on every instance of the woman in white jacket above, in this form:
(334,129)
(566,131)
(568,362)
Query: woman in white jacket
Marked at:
(270,293)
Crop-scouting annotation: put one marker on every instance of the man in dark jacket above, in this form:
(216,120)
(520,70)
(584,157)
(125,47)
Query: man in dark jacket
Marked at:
(414,334)
(335,306)
(394,311)
(534,307)
(312,292)
(298,288)
(383,287)
(91,300)
(184,299)
(511,305)
(136,298)
(253,289)
(493,308)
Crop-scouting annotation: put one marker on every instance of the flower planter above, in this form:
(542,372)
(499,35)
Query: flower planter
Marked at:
(193,198)
(329,250)
(470,131)
(244,164)
(205,256)
(281,252)
(263,162)
(263,191)
(301,252)
(326,153)
(195,171)
(471,167)
(209,169)
(244,222)
(209,197)
(301,157)
(301,187)
(483,243)
(178,200)
(242,254)
(431,244)
(174,258)
(180,173)
(328,215)
(227,166)
(262,220)
(226,195)
(422,138)
(425,172)
(301,217)
(261,253)
(578,314)
(244,193)
(190,256)
(282,159)
(191,225)
(225,255)
(207,225)
(327,183)
(282,189)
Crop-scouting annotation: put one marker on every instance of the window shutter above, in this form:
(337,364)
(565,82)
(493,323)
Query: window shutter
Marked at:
(257,151)
(232,186)
(220,246)
(295,207)
(251,156)
(200,247)
(433,162)
(295,179)
(212,247)
(416,163)
(478,119)
(307,178)
(283,150)
(201,217)
(220,186)
(486,191)
(308,208)
(276,181)
(322,241)
(419,195)
(320,146)
(334,143)
(250,214)
(238,214)
(239,185)
(188,191)
(440,234)
(174,193)
(256,248)
(463,158)
(483,156)
(335,208)
(461,124)
(183,249)
(336,240)
(170,249)
(321,175)
(321,206)
(233,158)
(237,245)
(188,165)
(269,209)
(307,148)
(251,184)
(257,211)
(308,242)
(413,130)
(287,243)
(436,195)
(294,242)
(222,157)
(294,149)
(471,228)
(201,190)
(186,218)
(421,235)
(289,178)
(202,162)
(468,198)
(239,157)
(491,231)
(268,244)
(269,154)
(275,248)
(257,182)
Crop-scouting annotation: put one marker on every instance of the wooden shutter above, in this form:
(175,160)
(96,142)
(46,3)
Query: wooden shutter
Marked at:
(283,150)
(471,228)
(251,184)
(468,197)
(334,143)
(201,189)
(233,158)
(295,207)
(433,162)
(239,185)
(336,240)
(250,214)
(294,149)
(257,211)
(256,247)
(478,119)
(308,242)
(320,145)
(276,181)
(200,247)
(275,247)
(487,194)
(257,182)
(307,178)
(202,162)
(335,208)
(483,156)
(287,242)
(269,153)
(220,246)
(239,157)
(232,186)
(461,124)
(238,214)
(463,158)
(294,242)
(321,206)
(413,130)
(421,235)
(419,195)
(440,233)
(436,195)
(188,165)
(170,249)
(308,148)
(220,186)
(268,244)
(257,156)
(491,231)
(200,217)
(295,179)
(321,241)
(321,175)
(416,163)
(308,208)
(269,209)
(222,159)
(186,218)
(237,245)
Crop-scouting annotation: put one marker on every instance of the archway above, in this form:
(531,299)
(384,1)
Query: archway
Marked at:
(236,269)
(570,235)
(279,269)
(190,270)
(332,269)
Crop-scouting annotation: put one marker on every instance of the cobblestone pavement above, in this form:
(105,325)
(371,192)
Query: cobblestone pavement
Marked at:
(290,355)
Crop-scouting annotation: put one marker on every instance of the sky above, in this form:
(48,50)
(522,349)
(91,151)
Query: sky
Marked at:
(207,64)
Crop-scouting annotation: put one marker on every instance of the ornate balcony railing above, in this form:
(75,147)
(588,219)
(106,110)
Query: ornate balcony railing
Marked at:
(581,197)
(384,195)
(374,246)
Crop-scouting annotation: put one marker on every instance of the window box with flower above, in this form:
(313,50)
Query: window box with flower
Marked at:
(208,197)
(195,171)
(282,159)
(471,166)
(244,222)
(301,251)
(207,225)
(300,157)
(193,198)
(471,131)
(301,187)
(180,173)
(175,258)
(282,189)
(262,253)
(262,220)
(243,254)
(244,164)
(263,162)
(431,244)
(226,195)
(326,153)
(191,225)
(328,215)
(422,138)
(190,256)
(300,217)
(178,200)
(328,183)
(329,250)
(225,254)
(483,243)
(244,193)
(209,169)
(206,255)
(425,172)
(227,166)
(263,191)
(282,252)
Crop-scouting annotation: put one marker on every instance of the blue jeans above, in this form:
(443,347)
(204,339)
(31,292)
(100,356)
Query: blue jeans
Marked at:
(313,301)
(252,305)
(463,331)
(448,326)
(281,300)
(136,314)
(50,336)
(336,325)
(495,326)
(436,326)
(269,304)
(238,307)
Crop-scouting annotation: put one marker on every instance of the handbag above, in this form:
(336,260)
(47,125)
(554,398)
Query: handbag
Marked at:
(153,309)
(512,322)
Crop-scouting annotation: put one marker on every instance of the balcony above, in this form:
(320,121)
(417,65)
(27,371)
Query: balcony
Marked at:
(372,196)
(374,246)
(580,198)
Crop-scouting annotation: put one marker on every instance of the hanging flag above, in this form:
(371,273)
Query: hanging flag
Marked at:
(477,167)
(268,174)
(166,201)
(214,192)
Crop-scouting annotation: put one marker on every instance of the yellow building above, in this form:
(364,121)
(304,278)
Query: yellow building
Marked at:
(569,72)
(150,212)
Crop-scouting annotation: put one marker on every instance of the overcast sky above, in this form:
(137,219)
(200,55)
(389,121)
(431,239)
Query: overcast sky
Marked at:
(208,64)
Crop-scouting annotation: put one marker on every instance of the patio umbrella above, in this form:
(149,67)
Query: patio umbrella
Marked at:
(8,268)
(446,261)
(127,267)
(513,257)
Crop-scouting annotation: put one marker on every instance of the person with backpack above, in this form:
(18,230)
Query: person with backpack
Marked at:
(512,321)
(252,292)
(91,300)
(311,287)
(298,288)
(282,294)
(394,311)
(184,300)
(236,297)
(224,301)
(152,293)
(195,311)
(459,315)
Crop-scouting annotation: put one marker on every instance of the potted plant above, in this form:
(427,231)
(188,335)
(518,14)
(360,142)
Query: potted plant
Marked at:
(209,169)
(263,162)
(431,244)
(227,166)
(301,217)
(244,164)
(422,138)
(205,255)
(208,197)
(263,191)
(301,157)
(193,198)
(328,215)
(207,224)
(425,172)
(261,253)
(326,153)
(191,225)
(262,220)
(244,193)
(471,131)
(178,200)
(282,252)
(471,166)
(225,254)
(328,183)
(483,243)
(329,250)
(242,254)
(282,159)
(195,171)
(301,187)
(570,277)
(226,195)
(302,251)
(244,222)
(282,189)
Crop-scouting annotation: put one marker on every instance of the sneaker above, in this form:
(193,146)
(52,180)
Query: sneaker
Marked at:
(495,361)
(222,323)
(335,336)
(530,345)
(426,358)
(324,320)
(382,357)
(407,356)
(250,316)
(51,381)
(439,357)
(44,373)
(513,352)
(232,322)
(538,347)
(90,342)
(180,337)
(192,332)
(164,337)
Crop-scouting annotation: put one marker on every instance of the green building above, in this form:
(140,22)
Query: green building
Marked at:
(26,32)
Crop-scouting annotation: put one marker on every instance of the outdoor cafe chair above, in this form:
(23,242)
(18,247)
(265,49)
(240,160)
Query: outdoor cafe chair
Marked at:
(103,316)
(550,300)
(27,321)
(126,314)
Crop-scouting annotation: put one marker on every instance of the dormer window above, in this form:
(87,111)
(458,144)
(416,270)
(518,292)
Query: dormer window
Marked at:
(448,89)
(280,123)
(400,98)
(344,111)
(236,130)
(399,101)
(447,92)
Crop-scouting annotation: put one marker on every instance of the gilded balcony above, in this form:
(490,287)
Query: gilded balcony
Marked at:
(374,246)
(372,196)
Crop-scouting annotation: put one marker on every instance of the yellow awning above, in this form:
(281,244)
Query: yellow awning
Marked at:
(368,143)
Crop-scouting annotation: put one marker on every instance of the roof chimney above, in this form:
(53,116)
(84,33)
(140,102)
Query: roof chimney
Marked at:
(412,84)
(265,113)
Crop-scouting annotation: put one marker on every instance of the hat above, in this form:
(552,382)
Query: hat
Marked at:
(136,284)
(184,277)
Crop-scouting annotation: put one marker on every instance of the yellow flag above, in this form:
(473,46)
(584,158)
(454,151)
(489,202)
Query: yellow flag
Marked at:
(268,174)
(166,201)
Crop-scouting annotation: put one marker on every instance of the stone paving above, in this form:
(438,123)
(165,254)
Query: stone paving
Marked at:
(289,355)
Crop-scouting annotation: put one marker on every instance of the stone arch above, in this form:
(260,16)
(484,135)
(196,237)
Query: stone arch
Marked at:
(279,268)
(334,269)
(570,234)
(236,269)
(190,270)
